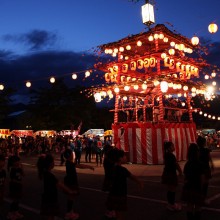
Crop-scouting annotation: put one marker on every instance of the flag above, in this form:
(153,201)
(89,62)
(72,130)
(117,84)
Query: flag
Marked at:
(79,127)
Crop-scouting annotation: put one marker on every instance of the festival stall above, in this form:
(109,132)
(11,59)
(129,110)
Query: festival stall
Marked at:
(45,133)
(4,133)
(72,133)
(22,133)
(152,78)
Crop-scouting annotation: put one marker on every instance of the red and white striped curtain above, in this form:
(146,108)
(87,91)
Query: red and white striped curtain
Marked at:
(143,142)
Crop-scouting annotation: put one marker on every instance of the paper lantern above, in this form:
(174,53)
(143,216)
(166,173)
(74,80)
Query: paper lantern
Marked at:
(28,84)
(195,40)
(1,87)
(52,80)
(164,86)
(213,28)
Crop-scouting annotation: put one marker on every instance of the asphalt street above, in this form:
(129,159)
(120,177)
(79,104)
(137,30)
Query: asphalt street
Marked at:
(150,203)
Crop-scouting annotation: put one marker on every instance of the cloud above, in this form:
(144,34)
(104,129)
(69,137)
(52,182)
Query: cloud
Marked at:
(35,39)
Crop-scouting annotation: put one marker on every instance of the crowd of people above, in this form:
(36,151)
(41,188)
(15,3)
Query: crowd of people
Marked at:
(197,172)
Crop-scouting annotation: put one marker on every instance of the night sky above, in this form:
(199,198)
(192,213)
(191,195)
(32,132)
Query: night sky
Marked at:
(44,38)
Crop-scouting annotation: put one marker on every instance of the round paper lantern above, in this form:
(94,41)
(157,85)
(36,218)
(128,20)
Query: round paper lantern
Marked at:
(164,86)
(28,84)
(74,76)
(195,40)
(1,87)
(52,80)
(213,28)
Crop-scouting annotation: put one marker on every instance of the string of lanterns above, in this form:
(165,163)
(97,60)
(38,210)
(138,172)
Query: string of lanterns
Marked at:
(52,79)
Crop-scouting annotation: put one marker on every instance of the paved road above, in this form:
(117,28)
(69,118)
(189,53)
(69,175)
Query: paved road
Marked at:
(147,204)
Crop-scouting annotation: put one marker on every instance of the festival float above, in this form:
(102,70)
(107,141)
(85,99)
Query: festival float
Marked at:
(152,77)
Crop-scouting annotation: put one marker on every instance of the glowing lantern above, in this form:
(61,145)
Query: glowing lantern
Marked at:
(28,84)
(1,87)
(185,88)
(161,36)
(213,74)
(163,55)
(148,14)
(74,76)
(156,83)
(195,40)
(164,86)
(150,38)
(213,28)
(97,97)
(156,36)
(172,44)
(165,39)
(87,73)
(116,90)
(125,98)
(205,114)
(171,51)
(52,80)
(126,88)
(116,50)
(121,49)
(136,87)
(214,83)
(144,86)
(139,43)
(200,112)
(206,76)
(128,47)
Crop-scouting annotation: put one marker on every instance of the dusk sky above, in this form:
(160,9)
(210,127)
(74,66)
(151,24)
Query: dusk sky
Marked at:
(43,38)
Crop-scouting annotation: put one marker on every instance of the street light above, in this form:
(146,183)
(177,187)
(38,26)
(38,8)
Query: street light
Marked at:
(148,13)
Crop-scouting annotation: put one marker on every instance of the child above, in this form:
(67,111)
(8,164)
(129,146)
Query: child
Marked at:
(71,181)
(194,173)
(16,174)
(169,176)
(49,202)
(2,181)
(117,198)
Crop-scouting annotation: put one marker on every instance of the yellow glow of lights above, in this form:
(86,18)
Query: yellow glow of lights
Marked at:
(163,55)
(121,49)
(87,73)
(128,47)
(126,88)
(164,86)
(150,38)
(74,76)
(139,43)
(213,74)
(52,80)
(171,51)
(213,28)
(206,76)
(195,40)
(28,84)
(116,90)
(1,87)
(136,87)
(165,39)
(144,86)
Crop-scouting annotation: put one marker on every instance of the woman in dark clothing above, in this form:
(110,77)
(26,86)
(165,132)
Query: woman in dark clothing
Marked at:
(49,202)
(193,182)
(117,198)
(206,160)
(169,176)
(71,181)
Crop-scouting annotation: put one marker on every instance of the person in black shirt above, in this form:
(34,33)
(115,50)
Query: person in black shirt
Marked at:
(49,201)
(169,175)
(2,181)
(71,181)
(206,159)
(117,197)
(194,173)
(16,174)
